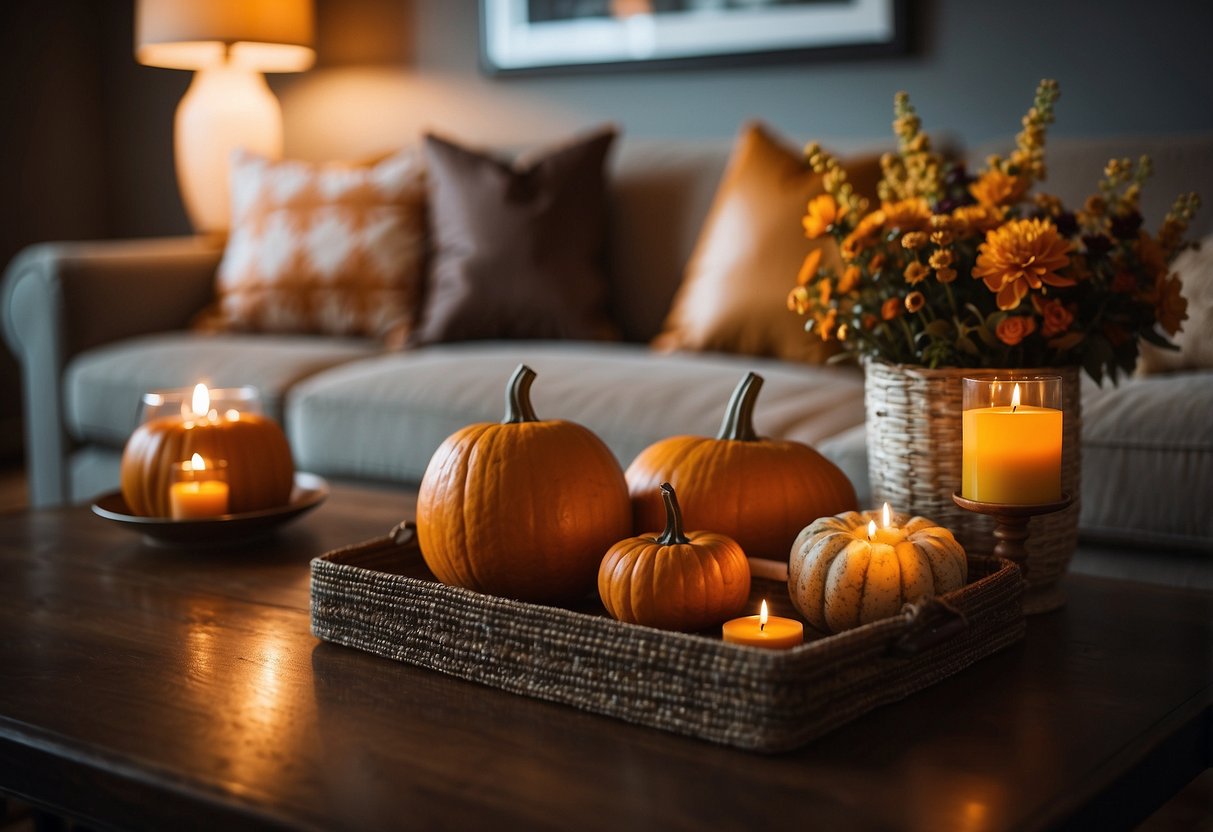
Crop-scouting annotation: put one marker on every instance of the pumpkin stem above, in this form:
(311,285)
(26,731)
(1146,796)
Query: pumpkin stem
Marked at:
(518,397)
(673,518)
(739,415)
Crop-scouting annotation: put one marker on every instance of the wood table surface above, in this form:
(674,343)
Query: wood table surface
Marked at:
(146,687)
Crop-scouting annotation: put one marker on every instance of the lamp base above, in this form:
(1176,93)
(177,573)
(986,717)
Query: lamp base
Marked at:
(225,108)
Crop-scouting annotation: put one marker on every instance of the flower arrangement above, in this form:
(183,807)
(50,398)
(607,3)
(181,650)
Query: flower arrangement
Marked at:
(963,270)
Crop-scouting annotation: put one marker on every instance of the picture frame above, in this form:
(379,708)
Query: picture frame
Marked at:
(546,36)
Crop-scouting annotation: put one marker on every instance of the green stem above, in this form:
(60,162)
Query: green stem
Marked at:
(739,415)
(673,518)
(518,406)
(909,335)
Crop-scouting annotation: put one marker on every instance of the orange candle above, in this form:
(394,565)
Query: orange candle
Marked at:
(764,630)
(200,491)
(1011,452)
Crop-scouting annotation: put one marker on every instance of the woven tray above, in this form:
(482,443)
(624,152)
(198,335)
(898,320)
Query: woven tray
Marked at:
(378,596)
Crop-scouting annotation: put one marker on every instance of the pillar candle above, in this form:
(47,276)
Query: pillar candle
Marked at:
(1011,453)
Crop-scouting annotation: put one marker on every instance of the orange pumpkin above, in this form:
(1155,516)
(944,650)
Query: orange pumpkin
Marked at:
(524,508)
(675,581)
(760,492)
(260,472)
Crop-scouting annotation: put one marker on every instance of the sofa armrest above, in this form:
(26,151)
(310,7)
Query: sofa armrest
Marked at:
(59,299)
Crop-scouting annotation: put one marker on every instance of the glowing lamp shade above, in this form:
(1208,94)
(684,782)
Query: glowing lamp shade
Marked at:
(228,105)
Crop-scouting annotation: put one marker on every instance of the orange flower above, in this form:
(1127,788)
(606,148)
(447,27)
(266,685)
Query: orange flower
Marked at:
(995,187)
(808,269)
(823,211)
(945,275)
(977,219)
(849,280)
(907,214)
(1172,308)
(916,273)
(1057,318)
(1020,255)
(915,301)
(890,309)
(1014,328)
(825,325)
(1153,258)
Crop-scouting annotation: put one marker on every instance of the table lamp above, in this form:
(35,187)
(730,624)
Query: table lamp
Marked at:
(229,43)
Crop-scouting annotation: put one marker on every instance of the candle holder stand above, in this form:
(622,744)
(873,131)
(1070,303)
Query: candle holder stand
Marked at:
(1011,531)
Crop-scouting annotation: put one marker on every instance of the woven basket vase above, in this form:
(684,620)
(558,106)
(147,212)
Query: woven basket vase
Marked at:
(914,461)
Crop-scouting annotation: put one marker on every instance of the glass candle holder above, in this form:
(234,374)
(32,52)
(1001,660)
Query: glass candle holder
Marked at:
(198,489)
(189,403)
(1011,439)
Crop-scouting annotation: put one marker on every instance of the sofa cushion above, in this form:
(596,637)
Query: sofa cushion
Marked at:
(103,387)
(518,250)
(330,248)
(1147,466)
(733,294)
(405,405)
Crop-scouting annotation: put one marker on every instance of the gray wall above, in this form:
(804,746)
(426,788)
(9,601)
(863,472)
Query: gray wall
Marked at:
(1125,67)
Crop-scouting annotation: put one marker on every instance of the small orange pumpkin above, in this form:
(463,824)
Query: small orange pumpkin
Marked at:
(760,492)
(260,472)
(675,581)
(524,508)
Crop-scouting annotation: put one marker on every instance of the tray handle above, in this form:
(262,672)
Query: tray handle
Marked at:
(932,622)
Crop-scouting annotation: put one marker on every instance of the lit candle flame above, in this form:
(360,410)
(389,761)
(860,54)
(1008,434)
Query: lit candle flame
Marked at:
(763,615)
(1015,398)
(871,529)
(202,400)
(197,463)
(885,519)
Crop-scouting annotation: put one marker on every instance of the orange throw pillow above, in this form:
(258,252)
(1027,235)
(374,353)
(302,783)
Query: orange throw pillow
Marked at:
(733,296)
(326,248)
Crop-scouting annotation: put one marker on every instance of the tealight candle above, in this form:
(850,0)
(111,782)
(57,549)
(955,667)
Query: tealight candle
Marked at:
(199,490)
(1011,440)
(764,630)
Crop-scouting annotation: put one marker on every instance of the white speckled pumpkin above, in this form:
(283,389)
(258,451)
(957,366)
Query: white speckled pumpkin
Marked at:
(840,578)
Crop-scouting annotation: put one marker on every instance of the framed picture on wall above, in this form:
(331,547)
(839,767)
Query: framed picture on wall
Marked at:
(564,35)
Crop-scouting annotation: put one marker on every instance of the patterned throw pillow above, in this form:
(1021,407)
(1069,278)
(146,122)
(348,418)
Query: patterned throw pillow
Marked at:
(329,248)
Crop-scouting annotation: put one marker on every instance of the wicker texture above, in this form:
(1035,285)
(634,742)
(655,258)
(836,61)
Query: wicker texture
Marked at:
(914,461)
(375,596)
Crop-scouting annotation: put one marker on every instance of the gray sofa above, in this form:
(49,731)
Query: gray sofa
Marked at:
(94,325)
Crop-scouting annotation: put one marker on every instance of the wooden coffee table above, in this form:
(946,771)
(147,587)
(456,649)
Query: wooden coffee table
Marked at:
(153,688)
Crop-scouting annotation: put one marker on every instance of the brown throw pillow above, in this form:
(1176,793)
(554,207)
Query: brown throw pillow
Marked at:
(327,248)
(733,296)
(517,250)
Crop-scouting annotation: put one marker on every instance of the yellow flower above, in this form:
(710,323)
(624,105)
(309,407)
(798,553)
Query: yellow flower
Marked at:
(823,211)
(1020,255)
(941,259)
(945,275)
(914,301)
(798,300)
(914,240)
(916,273)
(809,268)
(994,188)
